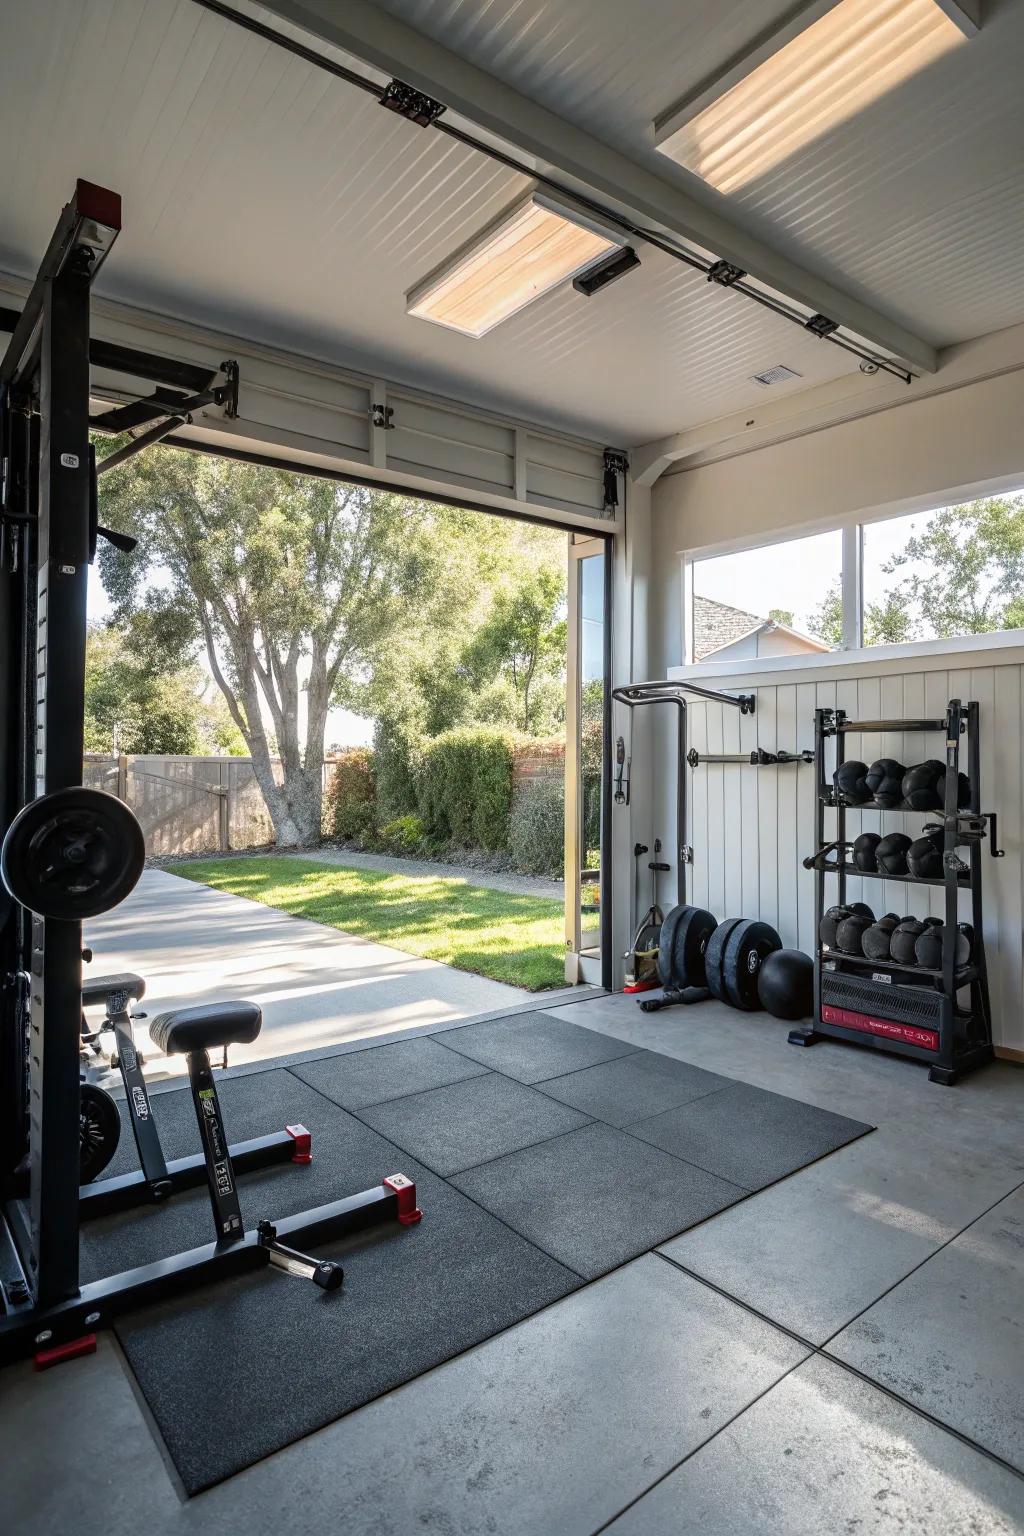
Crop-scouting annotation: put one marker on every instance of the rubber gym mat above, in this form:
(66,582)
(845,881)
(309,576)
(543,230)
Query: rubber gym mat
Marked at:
(242,1368)
(533,1046)
(596,1197)
(634,1087)
(749,1135)
(471,1122)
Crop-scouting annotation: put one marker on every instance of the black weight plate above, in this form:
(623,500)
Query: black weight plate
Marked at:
(72,854)
(714,958)
(100,1130)
(693,932)
(666,944)
(747,945)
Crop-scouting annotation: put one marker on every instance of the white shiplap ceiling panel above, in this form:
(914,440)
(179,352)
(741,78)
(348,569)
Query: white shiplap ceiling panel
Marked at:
(917,204)
(263,197)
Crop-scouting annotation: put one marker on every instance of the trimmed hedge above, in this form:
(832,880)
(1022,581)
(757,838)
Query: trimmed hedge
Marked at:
(350,800)
(536,837)
(465,787)
(396,760)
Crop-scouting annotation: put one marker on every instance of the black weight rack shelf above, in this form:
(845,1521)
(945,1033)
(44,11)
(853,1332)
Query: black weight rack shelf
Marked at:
(909,1010)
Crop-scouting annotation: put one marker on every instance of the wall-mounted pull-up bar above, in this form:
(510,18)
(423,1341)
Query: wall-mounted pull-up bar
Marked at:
(667,691)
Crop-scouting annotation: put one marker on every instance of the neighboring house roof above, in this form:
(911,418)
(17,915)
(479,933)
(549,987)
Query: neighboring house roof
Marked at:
(716,626)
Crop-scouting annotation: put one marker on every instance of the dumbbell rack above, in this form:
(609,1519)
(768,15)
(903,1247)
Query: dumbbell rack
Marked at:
(909,1010)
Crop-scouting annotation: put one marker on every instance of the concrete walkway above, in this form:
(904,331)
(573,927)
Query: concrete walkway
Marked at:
(317,987)
(505,880)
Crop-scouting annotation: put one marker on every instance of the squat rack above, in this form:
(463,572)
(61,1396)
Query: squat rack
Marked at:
(48,532)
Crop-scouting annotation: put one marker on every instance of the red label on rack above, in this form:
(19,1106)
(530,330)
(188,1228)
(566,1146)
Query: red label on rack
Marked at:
(910,1034)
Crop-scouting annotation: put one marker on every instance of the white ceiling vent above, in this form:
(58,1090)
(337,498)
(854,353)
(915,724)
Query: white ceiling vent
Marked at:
(777,375)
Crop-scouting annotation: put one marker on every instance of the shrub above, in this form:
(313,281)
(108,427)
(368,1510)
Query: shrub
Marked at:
(350,801)
(396,755)
(465,787)
(403,835)
(536,836)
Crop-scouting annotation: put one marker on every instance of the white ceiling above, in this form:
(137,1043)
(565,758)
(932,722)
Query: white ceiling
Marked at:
(917,205)
(263,197)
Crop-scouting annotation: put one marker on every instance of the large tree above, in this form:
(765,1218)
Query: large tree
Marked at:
(288,582)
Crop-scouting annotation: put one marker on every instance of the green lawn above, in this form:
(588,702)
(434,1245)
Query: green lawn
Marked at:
(511,938)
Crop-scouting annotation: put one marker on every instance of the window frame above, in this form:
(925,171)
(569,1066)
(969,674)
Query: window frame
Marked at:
(852,583)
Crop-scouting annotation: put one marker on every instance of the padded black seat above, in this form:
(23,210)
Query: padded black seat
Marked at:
(205,1027)
(98,988)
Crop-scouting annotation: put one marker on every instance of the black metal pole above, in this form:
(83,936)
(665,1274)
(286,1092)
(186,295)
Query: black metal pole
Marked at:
(56,1005)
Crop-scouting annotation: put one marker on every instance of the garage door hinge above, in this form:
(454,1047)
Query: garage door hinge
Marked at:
(724,273)
(407,102)
(383,416)
(615,464)
(821,325)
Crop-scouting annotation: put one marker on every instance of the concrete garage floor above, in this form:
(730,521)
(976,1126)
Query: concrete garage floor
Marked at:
(842,1352)
(317,987)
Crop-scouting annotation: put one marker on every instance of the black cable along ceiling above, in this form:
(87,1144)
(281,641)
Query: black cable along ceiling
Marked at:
(722,273)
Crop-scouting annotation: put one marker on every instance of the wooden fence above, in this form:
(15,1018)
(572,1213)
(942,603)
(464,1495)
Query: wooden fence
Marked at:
(189,804)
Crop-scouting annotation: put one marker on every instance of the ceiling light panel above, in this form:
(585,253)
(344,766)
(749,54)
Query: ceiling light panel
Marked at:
(837,65)
(527,251)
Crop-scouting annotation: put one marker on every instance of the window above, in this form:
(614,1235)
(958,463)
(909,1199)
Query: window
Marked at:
(776,600)
(958,570)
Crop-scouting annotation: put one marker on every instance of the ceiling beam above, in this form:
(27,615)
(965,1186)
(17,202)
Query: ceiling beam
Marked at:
(545,140)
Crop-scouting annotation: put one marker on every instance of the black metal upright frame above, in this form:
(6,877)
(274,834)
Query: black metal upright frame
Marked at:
(909,1010)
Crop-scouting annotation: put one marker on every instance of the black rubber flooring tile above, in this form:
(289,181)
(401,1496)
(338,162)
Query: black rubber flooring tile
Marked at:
(634,1087)
(248,1365)
(533,1046)
(347,1157)
(596,1197)
(749,1136)
(455,1127)
(358,1078)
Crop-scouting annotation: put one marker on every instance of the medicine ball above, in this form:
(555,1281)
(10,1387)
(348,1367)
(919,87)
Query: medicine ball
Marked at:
(928,949)
(785,984)
(932,922)
(885,781)
(850,933)
(924,856)
(967,930)
(920,786)
(829,924)
(963,790)
(904,938)
(876,939)
(864,852)
(891,853)
(850,780)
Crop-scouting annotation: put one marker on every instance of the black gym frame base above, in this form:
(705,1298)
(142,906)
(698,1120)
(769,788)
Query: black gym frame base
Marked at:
(50,1332)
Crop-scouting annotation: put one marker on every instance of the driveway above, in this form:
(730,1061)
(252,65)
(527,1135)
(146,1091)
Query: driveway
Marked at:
(317,987)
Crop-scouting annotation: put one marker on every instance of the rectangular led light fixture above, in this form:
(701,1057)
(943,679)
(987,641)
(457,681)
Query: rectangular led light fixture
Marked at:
(525,252)
(825,64)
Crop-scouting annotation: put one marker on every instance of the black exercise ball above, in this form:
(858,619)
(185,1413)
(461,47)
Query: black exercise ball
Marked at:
(864,852)
(963,790)
(928,949)
(876,939)
(924,856)
(785,984)
(885,780)
(904,938)
(829,924)
(891,853)
(920,786)
(850,933)
(850,780)
(967,929)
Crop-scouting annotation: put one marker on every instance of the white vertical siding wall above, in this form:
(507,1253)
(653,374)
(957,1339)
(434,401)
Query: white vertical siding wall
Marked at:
(751,827)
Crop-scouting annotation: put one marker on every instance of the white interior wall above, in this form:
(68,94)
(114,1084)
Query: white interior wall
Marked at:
(919,453)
